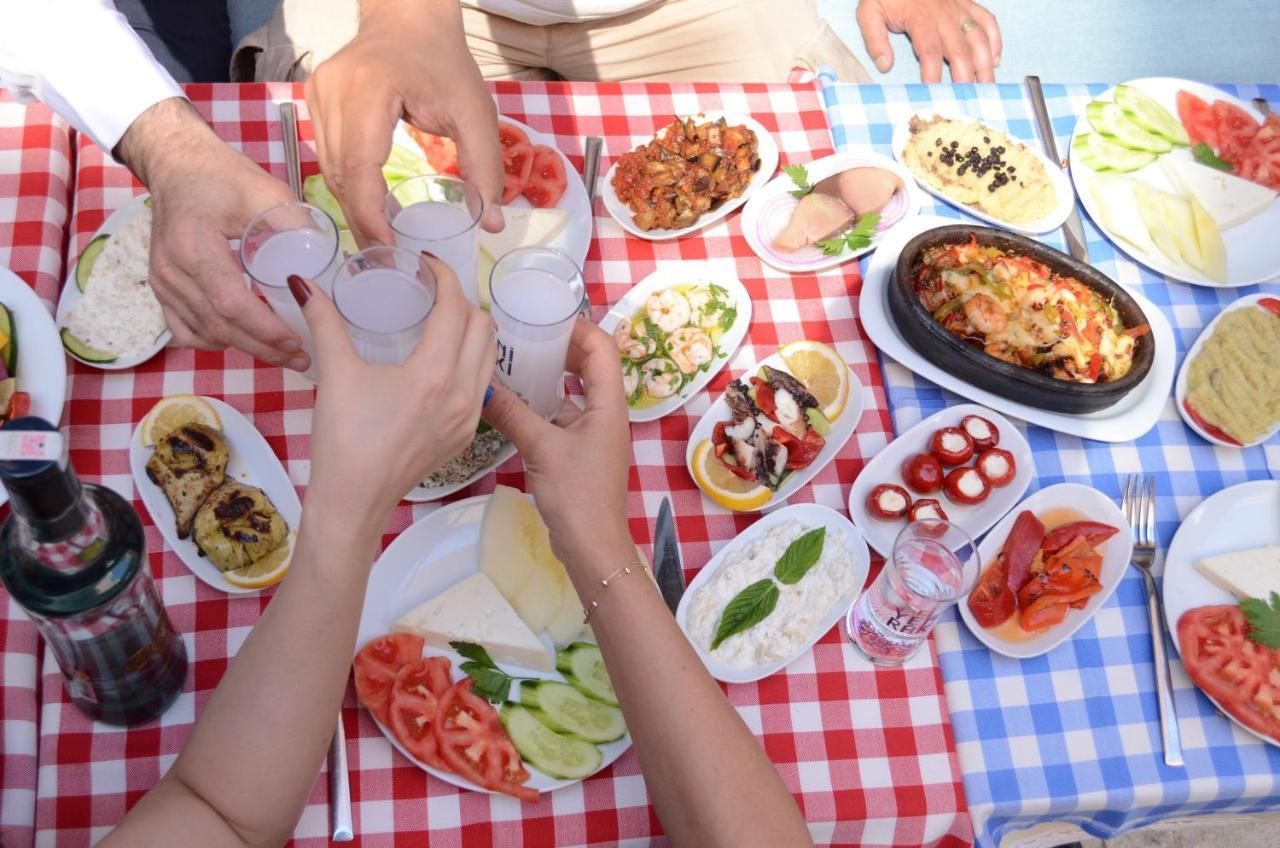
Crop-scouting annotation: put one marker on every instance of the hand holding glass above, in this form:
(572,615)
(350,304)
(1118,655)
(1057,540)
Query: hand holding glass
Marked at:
(384,295)
(441,215)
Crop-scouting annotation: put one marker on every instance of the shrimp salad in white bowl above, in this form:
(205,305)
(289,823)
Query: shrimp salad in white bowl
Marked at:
(675,330)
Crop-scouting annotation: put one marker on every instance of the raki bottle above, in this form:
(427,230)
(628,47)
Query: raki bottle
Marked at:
(74,557)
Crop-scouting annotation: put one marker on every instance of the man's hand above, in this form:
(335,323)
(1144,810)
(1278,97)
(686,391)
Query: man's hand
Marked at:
(203,192)
(960,32)
(409,60)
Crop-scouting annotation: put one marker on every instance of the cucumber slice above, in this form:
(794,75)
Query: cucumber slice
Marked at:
(87,257)
(1081,152)
(547,751)
(1150,115)
(583,666)
(1110,120)
(818,421)
(82,351)
(567,711)
(10,352)
(1116,158)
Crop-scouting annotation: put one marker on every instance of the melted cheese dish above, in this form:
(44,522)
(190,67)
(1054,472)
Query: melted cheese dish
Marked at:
(1017,310)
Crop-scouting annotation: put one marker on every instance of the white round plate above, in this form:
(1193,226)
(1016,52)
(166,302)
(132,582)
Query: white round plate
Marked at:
(1180,386)
(432,554)
(1116,553)
(1135,413)
(422,494)
(841,429)
(886,467)
(1237,518)
(575,238)
(768,149)
(1253,252)
(71,293)
(681,274)
(768,211)
(252,461)
(1064,195)
(811,515)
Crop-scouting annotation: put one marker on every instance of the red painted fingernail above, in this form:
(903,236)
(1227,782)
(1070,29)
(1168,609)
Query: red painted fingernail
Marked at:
(299,290)
(430,255)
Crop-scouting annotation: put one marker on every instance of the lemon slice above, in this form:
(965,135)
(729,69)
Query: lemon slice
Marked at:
(722,485)
(176,411)
(823,372)
(265,572)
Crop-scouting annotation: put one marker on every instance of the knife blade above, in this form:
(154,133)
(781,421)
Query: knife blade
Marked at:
(1073,227)
(668,571)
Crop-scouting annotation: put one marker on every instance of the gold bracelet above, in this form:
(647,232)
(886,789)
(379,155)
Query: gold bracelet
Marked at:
(604,584)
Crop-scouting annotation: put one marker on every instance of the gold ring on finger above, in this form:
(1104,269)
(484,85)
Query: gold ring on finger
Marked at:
(969,23)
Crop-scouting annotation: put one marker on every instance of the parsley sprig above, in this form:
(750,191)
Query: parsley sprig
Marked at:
(855,238)
(491,683)
(1264,620)
(800,176)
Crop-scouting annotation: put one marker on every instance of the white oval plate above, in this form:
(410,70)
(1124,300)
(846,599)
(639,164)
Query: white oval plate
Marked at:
(1253,252)
(575,238)
(1116,553)
(841,429)
(811,515)
(768,164)
(432,554)
(679,274)
(886,467)
(252,462)
(71,293)
(768,212)
(1180,386)
(421,494)
(1235,519)
(1064,194)
(1135,413)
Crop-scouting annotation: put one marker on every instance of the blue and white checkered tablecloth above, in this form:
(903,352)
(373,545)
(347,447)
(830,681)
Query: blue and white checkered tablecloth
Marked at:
(1074,735)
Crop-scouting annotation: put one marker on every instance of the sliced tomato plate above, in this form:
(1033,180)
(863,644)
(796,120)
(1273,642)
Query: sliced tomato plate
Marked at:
(432,554)
(1206,430)
(1235,519)
(1090,505)
(1253,252)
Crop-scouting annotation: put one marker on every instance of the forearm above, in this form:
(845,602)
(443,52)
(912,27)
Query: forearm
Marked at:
(166,128)
(672,707)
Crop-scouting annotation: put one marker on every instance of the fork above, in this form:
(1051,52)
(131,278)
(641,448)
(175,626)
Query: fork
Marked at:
(1139,507)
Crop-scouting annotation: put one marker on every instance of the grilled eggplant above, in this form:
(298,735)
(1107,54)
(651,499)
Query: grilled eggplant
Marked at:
(238,525)
(187,465)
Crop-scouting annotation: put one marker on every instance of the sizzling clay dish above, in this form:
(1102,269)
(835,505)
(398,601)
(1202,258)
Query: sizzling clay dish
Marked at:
(1017,310)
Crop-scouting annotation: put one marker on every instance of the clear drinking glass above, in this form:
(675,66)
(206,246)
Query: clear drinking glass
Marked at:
(933,564)
(292,238)
(384,295)
(441,215)
(536,294)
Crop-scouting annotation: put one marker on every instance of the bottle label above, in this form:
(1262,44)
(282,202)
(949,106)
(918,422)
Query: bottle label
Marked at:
(35,445)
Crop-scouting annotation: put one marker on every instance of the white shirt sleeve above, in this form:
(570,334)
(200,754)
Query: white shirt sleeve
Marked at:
(82,59)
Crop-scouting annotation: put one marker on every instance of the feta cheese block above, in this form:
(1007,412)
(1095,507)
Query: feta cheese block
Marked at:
(525,227)
(1246,574)
(475,611)
(1228,199)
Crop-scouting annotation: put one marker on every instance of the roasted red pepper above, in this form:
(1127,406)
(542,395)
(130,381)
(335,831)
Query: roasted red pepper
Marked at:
(1094,533)
(1095,366)
(1049,610)
(764,398)
(991,602)
(1020,549)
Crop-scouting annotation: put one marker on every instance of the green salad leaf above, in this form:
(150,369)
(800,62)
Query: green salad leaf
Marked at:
(1204,154)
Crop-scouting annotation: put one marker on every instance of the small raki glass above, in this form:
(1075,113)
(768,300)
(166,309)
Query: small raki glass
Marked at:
(536,292)
(292,238)
(384,295)
(441,215)
(933,564)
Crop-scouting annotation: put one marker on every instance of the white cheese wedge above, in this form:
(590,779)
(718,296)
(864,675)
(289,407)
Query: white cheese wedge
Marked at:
(1118,209)
(1246,574)
(526,227)
(1228,199)
(475,611)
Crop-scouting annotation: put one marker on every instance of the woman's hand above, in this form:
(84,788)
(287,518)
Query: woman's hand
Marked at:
(576,468)
(379,430)
(960,32)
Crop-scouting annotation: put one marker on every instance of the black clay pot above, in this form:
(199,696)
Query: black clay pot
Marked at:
(950,353)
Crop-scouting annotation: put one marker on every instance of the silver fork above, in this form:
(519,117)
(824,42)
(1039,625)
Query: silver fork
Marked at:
(1139,506)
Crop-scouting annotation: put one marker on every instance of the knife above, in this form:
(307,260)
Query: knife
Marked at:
(667,569)
(1073,228)
(590,169)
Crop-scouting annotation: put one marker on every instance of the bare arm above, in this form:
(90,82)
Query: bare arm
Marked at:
(711,783)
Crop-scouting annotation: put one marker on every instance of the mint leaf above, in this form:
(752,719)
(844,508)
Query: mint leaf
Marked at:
(492,684)
(1204,154)
(747,609)
(800,556)
(475,653)
(800,176)
(1264,620)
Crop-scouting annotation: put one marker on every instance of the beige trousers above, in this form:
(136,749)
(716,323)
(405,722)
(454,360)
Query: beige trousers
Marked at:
(673,41)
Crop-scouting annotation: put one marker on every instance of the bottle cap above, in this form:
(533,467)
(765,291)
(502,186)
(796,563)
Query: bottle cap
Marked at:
(39,490)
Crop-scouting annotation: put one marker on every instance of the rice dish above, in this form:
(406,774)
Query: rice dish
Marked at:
(118,312)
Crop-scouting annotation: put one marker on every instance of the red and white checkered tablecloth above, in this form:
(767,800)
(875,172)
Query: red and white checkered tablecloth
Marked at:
(868,753)
(35,180)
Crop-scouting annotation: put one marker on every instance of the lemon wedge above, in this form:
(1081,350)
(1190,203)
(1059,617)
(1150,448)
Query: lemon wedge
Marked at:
(265,572)
(722,485)
(823,372)
(176,411)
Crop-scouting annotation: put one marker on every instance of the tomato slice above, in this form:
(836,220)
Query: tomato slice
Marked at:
(548,182)
(1238,673)
(1236,128)
(1198,119)
(764,398)
(517,160)
(415,697)
(1204,424)
(19,406)
(991,602)
(474,743)
(441,152)
(1271,305)
(1094,532)
(377,665)
(1261,160)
